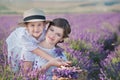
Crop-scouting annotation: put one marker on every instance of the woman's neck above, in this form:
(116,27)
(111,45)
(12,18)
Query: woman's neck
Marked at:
(47,45)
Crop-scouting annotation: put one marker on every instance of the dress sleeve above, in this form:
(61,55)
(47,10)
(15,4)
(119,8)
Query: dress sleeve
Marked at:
(26,55)
(12,40)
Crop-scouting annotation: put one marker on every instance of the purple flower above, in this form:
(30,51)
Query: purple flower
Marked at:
(58,51)
(66,72)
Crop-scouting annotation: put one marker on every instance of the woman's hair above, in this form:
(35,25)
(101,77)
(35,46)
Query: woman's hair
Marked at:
(61,23)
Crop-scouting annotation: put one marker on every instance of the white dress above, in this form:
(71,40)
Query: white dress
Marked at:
(39,61)
(20,40)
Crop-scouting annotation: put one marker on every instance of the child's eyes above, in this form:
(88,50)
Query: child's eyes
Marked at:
(32,25)
(39,24)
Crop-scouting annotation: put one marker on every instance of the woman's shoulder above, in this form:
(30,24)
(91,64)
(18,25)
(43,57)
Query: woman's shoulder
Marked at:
(59,48)
(58,51)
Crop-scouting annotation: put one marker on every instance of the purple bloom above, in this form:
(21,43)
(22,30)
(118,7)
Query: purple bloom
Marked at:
(58,51)
(67,72)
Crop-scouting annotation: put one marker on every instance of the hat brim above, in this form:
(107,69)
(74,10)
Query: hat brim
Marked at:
(22,23)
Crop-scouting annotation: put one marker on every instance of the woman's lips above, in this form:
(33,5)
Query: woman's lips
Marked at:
(51,38)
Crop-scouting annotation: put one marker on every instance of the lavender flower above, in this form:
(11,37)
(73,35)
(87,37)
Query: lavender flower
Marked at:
(67,72)
(58,51)
(91,28)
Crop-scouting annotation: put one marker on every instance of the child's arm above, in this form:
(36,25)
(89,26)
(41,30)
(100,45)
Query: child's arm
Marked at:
(28,71)
(52,63)
(26,67)
(42,53)
(32,46)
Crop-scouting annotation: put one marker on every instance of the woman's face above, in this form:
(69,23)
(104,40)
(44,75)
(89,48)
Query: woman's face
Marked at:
(54,35)
(35,28)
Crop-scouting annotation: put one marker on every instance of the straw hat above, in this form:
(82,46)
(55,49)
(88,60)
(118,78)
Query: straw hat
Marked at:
(33,15)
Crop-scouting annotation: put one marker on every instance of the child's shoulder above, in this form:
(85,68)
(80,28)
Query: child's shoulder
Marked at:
(18,31)
(20,28)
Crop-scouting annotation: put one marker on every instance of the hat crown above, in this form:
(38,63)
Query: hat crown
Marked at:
(33,12)
(33,15)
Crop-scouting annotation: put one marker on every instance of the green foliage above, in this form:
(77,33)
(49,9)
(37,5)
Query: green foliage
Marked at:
(5,10)
(72,59)
(111,72)
(118,40)
(95,56)
(3,7)
(80,45)
(117,58)
(8,12)
(1,44)
(94,73)
(7,74)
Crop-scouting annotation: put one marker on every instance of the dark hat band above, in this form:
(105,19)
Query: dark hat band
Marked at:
(34,17)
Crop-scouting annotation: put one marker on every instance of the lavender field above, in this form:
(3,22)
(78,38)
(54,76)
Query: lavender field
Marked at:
(94,44)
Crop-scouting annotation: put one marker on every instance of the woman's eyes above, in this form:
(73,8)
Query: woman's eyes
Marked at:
(51,30)
(58,35)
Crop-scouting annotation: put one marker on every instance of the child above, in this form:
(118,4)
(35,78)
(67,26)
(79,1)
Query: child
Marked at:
(27,37)
(56,32)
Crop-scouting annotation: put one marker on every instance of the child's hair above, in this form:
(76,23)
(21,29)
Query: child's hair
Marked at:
(61,23)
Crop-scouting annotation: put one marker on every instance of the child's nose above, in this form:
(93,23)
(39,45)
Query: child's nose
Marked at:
(37,29)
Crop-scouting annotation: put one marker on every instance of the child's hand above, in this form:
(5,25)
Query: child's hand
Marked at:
(58,62)
(69,63)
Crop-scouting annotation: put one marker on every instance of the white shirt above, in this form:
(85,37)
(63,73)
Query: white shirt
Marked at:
(39,61)
(18,41)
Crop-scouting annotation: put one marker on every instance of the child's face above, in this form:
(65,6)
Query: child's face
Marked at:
(35,28)
(54,35)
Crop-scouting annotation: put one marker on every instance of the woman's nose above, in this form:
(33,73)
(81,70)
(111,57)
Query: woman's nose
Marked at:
(52,35)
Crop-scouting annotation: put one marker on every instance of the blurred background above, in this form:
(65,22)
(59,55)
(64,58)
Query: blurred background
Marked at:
(94,42)
(59,6)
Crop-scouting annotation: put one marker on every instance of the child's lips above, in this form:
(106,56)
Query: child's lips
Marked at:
(36,32)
